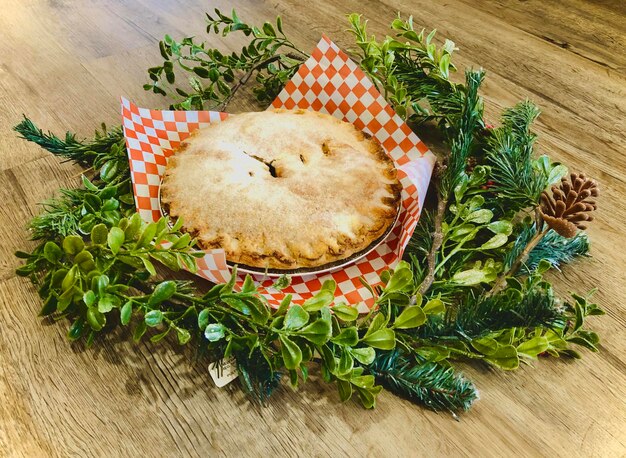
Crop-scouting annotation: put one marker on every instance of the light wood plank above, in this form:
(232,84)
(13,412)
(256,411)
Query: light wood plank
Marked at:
(71,62)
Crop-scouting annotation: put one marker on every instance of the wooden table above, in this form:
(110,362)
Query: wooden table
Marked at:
(65,63)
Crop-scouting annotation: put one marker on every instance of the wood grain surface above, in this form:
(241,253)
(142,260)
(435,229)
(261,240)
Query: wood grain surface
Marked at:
(65,63)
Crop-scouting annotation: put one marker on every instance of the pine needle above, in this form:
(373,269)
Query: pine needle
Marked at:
(84,152)
(475,316)
(430,384)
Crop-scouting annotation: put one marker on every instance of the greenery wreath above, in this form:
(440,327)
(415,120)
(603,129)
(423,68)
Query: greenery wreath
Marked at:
(472,283)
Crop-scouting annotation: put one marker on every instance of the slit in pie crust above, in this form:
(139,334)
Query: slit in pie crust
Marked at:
(282,189)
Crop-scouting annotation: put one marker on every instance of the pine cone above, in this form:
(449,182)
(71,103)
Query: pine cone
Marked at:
(567,208)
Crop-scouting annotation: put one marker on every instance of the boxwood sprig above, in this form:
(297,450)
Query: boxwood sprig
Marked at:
(214,78)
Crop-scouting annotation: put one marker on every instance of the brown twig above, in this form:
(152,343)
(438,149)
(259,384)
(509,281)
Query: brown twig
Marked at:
(244,79)
(431,259)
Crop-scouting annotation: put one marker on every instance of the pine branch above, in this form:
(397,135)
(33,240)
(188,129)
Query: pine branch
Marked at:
(258,378)
(518,182)
(477,315)
(469,122)
(82,151)
(435,386)
(60,217)
(556,250)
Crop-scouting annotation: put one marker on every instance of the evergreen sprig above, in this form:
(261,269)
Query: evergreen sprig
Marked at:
(106,148)
(430,384)
(556,250)
(214,78)
(518,178)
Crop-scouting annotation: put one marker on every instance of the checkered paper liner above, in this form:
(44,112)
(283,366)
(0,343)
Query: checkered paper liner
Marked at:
(328,82)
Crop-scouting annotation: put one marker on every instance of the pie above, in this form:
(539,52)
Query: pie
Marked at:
(282,189)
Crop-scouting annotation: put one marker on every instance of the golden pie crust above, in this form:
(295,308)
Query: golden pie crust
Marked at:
(282,189)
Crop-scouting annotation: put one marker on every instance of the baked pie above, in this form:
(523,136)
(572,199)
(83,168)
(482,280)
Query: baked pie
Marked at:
(282,189)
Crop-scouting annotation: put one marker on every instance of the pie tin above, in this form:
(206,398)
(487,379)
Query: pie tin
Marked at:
(328,267)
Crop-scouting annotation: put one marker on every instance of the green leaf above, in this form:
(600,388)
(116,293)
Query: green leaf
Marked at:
(485,345)
(292,355)
(201,72)
(347,337)
(471,277)
(345,312)
(148,265)
(346,363)
(115,239)
(95,319)
(131,231)
(203,318)
(329,285)
(88,184)
(182,242)
(85,261)
(363,381)
(400,280)
(126,313)
(158,337)
(238,304)
(383,339)
(169,260)
(411,317)
(505,357)
(321,299)
(228,287)
(108,171)
(269,30)
(494,242)
(153,318)
(140,330)
(543,266)
(162,292)
(52,252)
(317,332)
(368,396)
(73,244)
(345,390)
(214,332)
(146,236)
(501,227)
(77,329)
(364,355)
(481,216)
(379,322)
(434,307)
(461,232)
(259,310)
(107,302)
(89,298)
(282,282)
(296,317)
(248,285)
(284,305)
(183,335)
(534,346)
(70,279)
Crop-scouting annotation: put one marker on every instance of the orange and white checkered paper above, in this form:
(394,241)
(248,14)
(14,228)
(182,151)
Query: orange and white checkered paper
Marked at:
(328,82)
